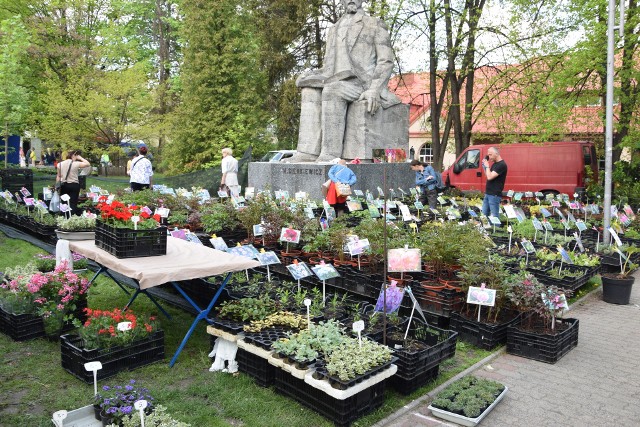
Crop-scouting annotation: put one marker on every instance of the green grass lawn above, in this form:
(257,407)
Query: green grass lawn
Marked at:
(34,385)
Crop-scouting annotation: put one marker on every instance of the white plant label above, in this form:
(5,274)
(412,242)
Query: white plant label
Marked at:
(140,404)
(93,366)
(65,197)
(124,326)
(358,326)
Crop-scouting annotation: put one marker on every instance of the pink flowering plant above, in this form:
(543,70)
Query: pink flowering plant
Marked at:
(51,295)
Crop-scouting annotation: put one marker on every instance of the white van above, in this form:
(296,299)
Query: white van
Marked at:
(277,156)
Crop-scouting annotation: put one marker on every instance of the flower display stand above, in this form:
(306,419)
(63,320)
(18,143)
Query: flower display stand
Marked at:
(543,347)
(114,360)
(342,407)
(130,243)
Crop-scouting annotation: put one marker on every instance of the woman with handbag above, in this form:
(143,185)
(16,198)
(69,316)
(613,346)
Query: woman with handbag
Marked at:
(342,178)
(70,184)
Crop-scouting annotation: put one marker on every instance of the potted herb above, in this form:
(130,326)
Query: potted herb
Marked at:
(76,227)
(616,287)
(158,418)
(468,400)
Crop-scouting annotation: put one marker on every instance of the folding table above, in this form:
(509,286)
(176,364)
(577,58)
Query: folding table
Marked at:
(183,261)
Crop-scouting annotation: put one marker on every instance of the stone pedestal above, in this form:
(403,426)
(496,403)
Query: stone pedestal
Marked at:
(309,177)
(388,128)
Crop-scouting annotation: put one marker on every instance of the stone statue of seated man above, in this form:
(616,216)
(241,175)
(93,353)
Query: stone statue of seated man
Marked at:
(357,65)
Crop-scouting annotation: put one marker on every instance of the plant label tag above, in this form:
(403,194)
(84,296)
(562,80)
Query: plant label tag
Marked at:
(537,224)
(581,225)
(510,193)
(615,236)
(124,326)
(93,366)
(578,241)
(509,211)
(565,255)
(481,296)
(65,197)
(545,212)
(140,405)
(307,302)
(528,246)
(358,326)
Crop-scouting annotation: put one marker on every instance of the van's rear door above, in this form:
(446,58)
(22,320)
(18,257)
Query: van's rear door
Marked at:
(469,168)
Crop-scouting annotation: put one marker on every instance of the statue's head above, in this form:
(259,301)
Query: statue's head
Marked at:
(352,6)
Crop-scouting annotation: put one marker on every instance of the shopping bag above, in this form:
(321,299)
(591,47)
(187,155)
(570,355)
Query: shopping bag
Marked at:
(325,187)
(343,190)
(54,204)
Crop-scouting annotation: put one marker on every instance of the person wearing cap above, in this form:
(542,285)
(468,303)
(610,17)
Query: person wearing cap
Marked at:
(339,172)
(229,167)
(141,170)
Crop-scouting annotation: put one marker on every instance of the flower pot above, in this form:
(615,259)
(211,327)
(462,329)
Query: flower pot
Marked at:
(617,290)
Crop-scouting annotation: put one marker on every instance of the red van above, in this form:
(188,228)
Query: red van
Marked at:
(549,167)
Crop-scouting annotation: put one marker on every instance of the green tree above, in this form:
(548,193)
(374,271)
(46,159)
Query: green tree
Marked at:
(14,96)
(224,87)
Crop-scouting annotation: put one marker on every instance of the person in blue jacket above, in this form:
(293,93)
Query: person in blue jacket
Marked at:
(339,172)
(427,181)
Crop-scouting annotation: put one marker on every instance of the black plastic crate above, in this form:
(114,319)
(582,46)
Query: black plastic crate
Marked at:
(482,335)
(543,347)
(441,345)
(130,243)
(256,367)
(13,179)
(407,385)
(340,412)
(114,360)
(21,327)
(442,302)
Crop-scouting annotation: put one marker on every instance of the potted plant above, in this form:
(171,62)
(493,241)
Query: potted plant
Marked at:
(158,418)
(488,329)
(76,227)
(115,402)
(616,287)
(52,297)
(539,334)
(468,400)
(119,339)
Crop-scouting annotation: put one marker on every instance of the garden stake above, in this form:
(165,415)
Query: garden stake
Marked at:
(140,405)
(479,310)
(307,303)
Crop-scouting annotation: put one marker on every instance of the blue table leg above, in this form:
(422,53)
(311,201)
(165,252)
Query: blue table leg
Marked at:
(202,314)
(153,300)
(105,270)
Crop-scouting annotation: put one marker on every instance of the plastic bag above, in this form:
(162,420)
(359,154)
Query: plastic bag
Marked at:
(54,204)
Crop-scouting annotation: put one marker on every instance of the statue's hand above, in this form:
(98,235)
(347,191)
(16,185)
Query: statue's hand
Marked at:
(373,100)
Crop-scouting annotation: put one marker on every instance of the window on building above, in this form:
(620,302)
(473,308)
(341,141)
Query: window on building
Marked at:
(426,155)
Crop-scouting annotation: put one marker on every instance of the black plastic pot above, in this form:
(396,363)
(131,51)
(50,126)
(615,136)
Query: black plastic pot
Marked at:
(617,290)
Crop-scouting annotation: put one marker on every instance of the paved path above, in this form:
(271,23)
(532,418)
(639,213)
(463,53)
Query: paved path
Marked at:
(595,384)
